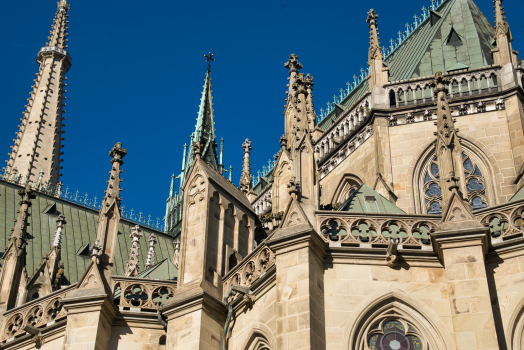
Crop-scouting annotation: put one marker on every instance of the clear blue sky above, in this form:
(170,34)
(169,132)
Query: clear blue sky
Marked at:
(138,71)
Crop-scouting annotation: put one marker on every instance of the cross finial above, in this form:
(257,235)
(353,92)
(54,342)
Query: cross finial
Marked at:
(209,59)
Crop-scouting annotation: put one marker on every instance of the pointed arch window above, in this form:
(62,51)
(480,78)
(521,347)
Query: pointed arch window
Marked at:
(475,185)
(394,334)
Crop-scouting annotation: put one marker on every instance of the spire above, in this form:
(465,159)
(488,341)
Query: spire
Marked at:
(503,53)
(132,268)
(109,215)
(41,127)
(449,152)
(378,73)
(246,181)
(14,256)
(151,254)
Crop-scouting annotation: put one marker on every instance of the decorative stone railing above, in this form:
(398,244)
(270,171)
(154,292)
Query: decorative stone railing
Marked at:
(264,201)
(139,294)
(344,127)
(254,266)
(37,313)
(504,221)
(333,160)
(457,110)
(373,230)
(419,90)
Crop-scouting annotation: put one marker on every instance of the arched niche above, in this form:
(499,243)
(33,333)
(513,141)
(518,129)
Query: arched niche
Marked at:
(395,305)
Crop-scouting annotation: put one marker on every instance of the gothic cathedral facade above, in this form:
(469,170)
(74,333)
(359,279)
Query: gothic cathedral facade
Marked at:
(391,220)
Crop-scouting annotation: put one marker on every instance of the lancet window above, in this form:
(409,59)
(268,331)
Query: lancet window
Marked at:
(475,185)
(394,334)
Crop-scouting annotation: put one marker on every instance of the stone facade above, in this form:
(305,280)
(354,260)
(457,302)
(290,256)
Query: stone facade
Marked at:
(395,220)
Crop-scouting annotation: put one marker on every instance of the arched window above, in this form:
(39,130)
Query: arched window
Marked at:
(455,85)
(418,95)
(410,96)
(392,99)
(394,334)
(427,93)
(346,187)
(474,86)
(484,84)
(401,97)
(431,192)
(465,88)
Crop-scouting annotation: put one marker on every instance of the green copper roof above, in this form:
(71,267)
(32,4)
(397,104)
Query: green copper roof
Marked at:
(367,200)
(428,49)
(163,270)
(80,230)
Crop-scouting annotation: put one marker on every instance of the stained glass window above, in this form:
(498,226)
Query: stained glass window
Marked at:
(475,186)
(393,336)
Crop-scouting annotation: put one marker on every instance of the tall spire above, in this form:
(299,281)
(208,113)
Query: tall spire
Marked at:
(38,143)
(151,254)
(246,181)
(503,53)
(449,150)
(378,73)
(132,268)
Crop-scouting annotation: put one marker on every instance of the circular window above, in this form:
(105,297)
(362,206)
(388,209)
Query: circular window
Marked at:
(394,336)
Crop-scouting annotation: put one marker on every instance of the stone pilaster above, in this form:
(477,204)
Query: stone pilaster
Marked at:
(300,288)
(89,319)
(195,320)
(462,252)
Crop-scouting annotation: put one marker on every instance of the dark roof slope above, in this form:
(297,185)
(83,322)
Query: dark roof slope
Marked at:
(80,230)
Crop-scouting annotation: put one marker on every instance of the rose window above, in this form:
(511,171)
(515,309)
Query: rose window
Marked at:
(394,335)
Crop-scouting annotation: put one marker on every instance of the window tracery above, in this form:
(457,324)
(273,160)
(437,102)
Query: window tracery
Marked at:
(394,334)
(475,185)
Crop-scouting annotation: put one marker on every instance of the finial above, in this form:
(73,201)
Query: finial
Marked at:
(151,254)
(245,178)
(60,222)
(118,153)
(440,83)
(372,18)
(209,59)
(292,64)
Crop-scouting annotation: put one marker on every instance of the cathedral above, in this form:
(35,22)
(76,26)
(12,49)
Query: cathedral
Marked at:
(393,219)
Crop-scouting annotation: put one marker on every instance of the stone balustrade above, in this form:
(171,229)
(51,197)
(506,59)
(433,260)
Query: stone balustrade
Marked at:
(137,294)
(36,313)
(376,231)
(463,83)
(331,161)
(264,201)
(504,221)
(254,266)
